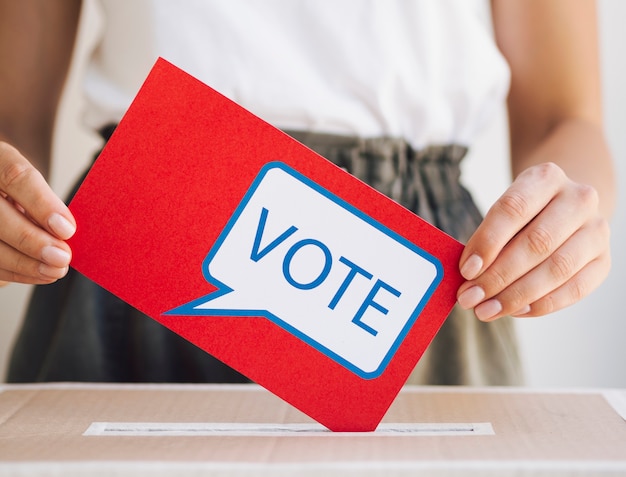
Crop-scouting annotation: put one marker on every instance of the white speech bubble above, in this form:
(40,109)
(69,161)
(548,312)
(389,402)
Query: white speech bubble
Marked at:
(318,267)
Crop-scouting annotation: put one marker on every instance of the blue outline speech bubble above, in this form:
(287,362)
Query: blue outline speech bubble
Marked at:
(190,308)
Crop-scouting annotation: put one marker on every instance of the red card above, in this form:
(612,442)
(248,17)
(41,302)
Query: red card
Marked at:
(263,253)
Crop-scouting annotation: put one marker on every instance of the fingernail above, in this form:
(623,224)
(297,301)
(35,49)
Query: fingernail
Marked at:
(55,256)
(472,266)
(489,309)
(522,311)
(52,272)
(61,226)
(471,297)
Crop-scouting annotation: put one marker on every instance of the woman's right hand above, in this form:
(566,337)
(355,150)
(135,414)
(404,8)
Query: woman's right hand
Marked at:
(34,224)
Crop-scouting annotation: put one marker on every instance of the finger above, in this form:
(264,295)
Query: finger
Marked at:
(555,224)
(27,187)
(524,199)
(9,277)
(16,267)
(13,203)
(578,287)
(588,245)
(24,236)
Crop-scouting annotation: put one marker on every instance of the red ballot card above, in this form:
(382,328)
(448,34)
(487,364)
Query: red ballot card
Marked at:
(263,253)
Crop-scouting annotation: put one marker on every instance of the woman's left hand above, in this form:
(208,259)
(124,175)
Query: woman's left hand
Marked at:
(542,246)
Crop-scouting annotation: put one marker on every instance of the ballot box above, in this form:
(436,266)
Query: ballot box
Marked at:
(244,430)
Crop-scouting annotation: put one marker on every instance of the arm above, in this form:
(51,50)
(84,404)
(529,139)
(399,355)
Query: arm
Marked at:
(36,44)
(545,243)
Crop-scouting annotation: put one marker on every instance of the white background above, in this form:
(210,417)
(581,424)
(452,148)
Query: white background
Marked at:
(582,346)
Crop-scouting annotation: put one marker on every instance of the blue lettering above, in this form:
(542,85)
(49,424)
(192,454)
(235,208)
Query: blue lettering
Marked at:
(321,277)
(369,302)
(354,269)
(258,254)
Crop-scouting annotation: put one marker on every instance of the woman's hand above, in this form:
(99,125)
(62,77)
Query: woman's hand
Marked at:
(34,224)
(545,243)
(542,246)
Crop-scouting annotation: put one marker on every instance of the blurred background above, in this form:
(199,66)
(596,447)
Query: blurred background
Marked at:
(581,346)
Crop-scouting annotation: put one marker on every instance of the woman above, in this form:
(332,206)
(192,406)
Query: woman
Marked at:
(393,91)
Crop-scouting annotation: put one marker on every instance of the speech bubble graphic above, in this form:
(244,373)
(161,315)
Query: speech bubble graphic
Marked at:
(305,259)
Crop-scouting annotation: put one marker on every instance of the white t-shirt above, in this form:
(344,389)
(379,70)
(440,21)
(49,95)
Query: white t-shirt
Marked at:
(425,70)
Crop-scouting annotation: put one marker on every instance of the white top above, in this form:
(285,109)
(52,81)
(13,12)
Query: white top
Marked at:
(425,70)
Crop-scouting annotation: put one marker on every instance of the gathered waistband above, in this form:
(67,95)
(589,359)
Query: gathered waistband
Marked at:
(384,147)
